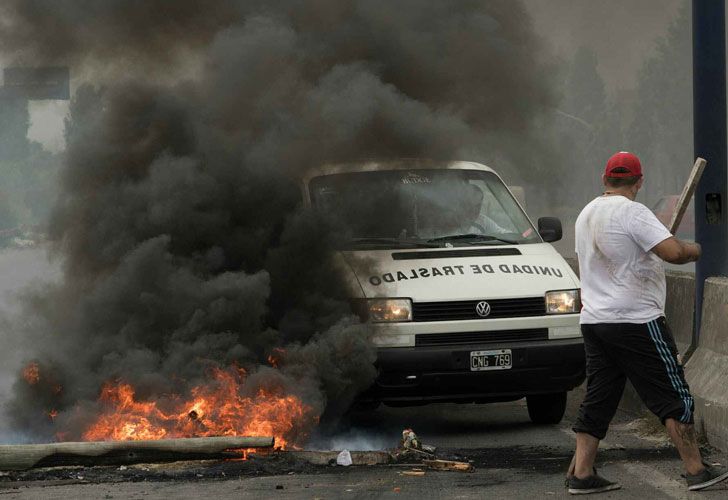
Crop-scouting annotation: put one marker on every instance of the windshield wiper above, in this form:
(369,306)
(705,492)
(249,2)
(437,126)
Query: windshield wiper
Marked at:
(393,241)
(473,237)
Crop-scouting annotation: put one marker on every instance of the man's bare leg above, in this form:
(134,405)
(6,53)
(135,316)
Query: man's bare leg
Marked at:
(586,454)
(686,442)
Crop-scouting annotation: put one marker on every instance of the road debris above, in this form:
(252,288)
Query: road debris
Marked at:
(413,472)
(449,465)
(410,447)
(26,456)
(315,457)
(344,458)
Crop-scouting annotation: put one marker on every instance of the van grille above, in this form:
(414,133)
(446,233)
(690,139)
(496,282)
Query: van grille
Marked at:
(462,338)
(465,309)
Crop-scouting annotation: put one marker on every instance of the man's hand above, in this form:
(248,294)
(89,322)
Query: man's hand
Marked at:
(698,250)
(676,251)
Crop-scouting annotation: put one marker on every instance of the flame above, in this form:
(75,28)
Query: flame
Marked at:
(274,359)
(217,408)
(31,373)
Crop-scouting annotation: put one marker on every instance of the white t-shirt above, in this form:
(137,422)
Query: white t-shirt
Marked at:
(621,280)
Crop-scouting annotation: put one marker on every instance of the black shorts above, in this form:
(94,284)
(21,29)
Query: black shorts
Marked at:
(646,355)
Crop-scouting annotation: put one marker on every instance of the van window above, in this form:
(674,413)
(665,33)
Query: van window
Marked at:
(462,207)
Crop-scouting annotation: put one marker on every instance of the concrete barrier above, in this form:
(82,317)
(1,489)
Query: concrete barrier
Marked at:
(680,307)
(707,369)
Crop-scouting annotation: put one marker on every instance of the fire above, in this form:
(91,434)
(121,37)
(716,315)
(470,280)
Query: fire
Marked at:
(31,373)
(274,358)
(215,409)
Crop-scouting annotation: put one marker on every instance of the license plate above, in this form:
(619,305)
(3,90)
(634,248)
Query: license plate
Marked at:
(500,359)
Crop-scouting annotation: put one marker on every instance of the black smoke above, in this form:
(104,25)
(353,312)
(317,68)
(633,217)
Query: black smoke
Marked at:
(179,222)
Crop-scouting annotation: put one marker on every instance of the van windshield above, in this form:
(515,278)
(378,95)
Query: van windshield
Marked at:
(423,206)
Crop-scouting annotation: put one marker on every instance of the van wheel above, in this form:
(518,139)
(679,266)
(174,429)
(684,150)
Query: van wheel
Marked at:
(546,408)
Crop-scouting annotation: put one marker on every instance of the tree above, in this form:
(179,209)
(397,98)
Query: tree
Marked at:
(14,123)
(585,96)
(589,126)
(7,217)
(662,129)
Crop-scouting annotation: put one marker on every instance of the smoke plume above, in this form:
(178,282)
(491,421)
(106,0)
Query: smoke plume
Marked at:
(180,227)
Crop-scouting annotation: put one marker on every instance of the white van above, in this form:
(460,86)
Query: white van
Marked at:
(469,300)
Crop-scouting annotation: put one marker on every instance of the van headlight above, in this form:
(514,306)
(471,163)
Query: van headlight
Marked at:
(563,302)
(389,310)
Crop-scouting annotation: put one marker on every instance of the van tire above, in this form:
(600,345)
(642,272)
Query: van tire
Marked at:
(546,408)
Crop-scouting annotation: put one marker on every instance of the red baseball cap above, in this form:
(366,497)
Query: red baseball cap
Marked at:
(623,160)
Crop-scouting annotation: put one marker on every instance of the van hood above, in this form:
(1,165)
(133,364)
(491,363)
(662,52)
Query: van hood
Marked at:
(460,273)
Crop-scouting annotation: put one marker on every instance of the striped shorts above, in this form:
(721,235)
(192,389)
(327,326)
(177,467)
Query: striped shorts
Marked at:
(643,353)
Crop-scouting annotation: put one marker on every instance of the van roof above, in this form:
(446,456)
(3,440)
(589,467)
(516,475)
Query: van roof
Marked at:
(401,164)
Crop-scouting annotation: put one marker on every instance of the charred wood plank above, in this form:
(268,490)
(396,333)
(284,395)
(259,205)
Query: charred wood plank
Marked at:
(26,456)
(449,465)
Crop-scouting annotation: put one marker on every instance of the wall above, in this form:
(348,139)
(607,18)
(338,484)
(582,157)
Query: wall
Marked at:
(707,369)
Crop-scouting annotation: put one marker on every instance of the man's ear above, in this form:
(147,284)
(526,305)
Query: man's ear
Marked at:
(604,180)
(639,183)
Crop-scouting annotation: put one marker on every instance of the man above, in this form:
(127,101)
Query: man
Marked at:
(620,245)
(473,221)
(462,216)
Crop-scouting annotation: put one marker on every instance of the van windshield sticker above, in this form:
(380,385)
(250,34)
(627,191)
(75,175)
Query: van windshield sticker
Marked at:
(465,270)
(414,178)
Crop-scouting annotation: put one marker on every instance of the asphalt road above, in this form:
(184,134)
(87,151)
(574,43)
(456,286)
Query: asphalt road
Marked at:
(513,459)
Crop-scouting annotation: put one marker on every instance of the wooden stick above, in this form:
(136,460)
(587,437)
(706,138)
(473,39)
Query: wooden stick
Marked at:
(449,465)
(687,194)
(26,456)
(413,473)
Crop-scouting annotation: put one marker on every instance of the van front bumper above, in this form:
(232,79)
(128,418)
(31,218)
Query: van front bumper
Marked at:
(442,373)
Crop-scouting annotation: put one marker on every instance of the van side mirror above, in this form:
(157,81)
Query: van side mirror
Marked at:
(550,229)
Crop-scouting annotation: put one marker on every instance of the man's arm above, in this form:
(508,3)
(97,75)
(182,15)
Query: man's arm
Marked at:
(676,251)
(492,227)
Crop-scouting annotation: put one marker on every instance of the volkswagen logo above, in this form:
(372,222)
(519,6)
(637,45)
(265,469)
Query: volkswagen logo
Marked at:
(482,308)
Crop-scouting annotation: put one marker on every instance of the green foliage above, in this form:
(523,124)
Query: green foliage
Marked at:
(586,97)
(14,123)
(27,188)
(588,127)
(7,216)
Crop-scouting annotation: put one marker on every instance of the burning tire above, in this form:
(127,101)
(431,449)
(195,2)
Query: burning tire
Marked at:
(546,408)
